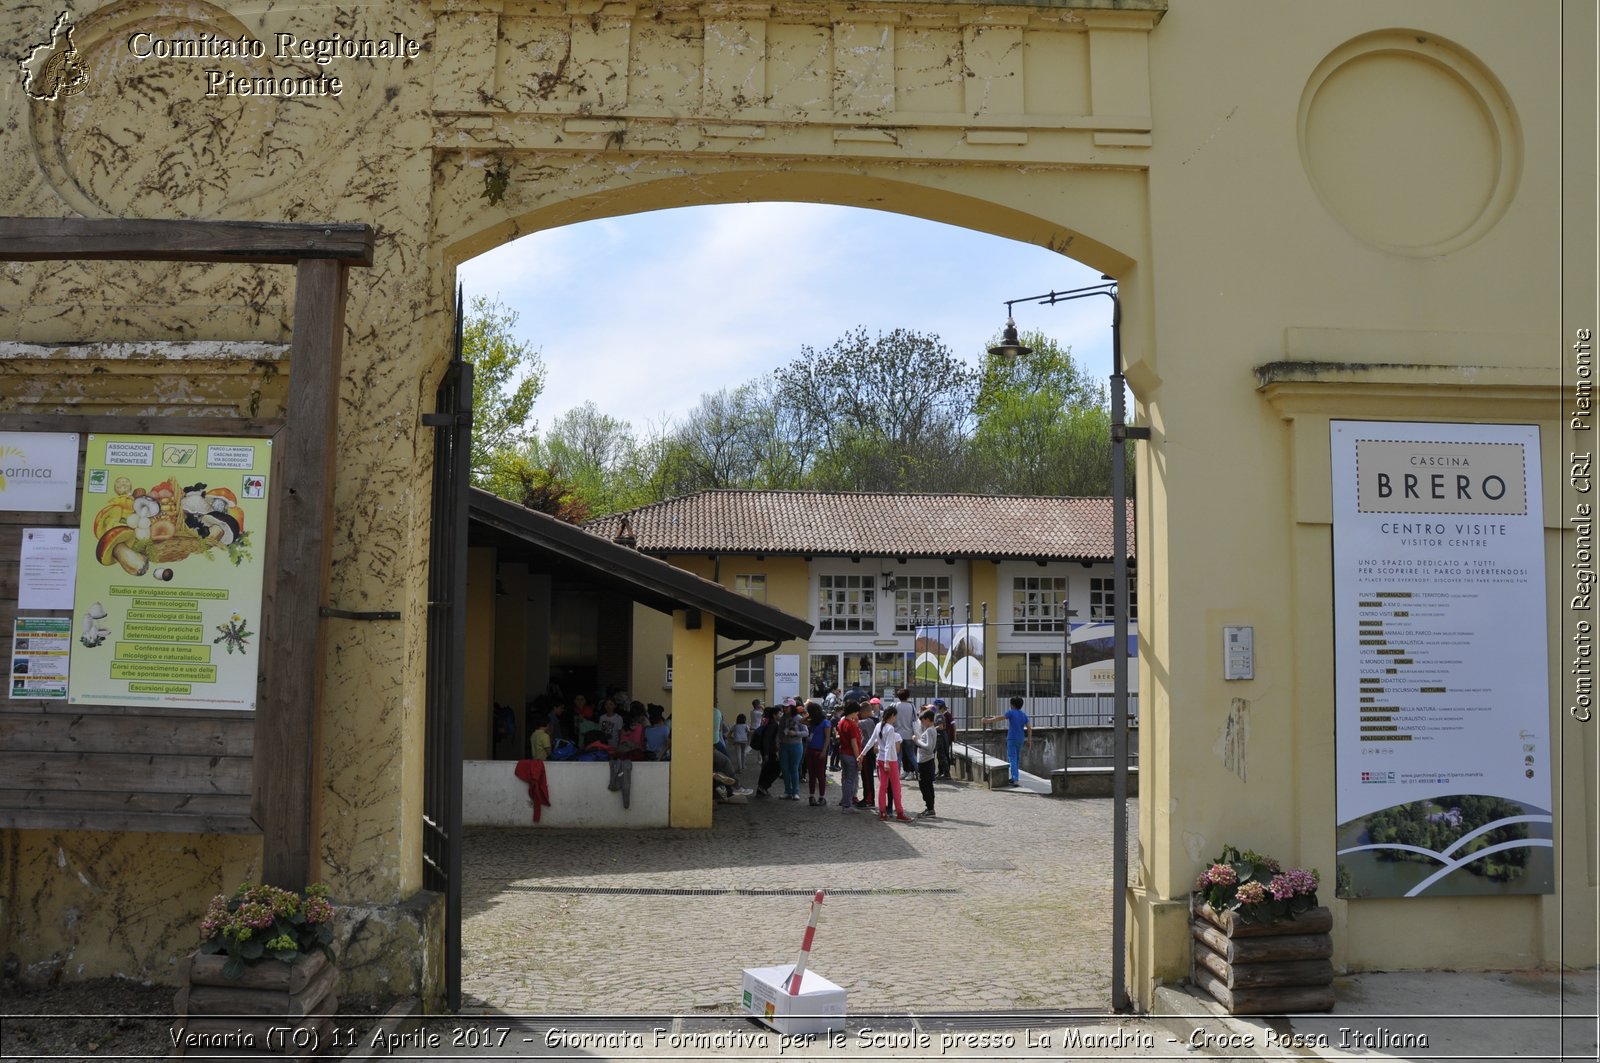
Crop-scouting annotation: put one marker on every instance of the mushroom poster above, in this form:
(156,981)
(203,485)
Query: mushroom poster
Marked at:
(170,566)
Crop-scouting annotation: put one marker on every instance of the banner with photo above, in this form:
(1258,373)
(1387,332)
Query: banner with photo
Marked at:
(1093,646)
(170,567)
(950,655)
(1441,665)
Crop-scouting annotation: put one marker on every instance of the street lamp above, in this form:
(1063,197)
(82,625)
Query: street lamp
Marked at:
(1010,346)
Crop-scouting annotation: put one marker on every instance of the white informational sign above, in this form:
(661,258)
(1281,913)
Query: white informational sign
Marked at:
(1441,666)
(40,648)
(785,675)
(49,568)
(38,472)
(1093,646)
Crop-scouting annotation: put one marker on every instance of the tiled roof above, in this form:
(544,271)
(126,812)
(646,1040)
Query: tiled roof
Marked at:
(557,546)
(871,524)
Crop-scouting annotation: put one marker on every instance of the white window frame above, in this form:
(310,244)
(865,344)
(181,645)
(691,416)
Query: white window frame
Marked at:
(752,585)
(938,586)
(847,602)
(1037,604)
(751,674)
(1102,598)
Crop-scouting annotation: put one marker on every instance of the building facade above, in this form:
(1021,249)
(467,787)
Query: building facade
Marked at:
(873,571)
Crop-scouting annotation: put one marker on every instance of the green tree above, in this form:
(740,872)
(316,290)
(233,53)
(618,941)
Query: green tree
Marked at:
(516,476)
(731,439)
(1043,425)
(590,452)
(507,376)
(884,413)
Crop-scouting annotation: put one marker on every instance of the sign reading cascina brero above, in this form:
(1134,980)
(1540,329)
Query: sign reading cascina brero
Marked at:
(1442,706)
(168,603)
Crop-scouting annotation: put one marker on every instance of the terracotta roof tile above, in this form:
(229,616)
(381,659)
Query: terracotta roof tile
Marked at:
(877,524)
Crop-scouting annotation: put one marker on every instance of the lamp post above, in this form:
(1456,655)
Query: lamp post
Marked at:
(1011,347)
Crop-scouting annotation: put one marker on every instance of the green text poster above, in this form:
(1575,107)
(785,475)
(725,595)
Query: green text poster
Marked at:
(170,565)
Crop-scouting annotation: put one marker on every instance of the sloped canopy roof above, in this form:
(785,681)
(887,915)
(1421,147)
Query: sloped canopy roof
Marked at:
(555,547)
(871,524)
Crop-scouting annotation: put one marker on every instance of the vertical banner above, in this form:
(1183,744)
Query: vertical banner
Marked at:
(785,675)
(170,567)
(1441,665)
(950,654)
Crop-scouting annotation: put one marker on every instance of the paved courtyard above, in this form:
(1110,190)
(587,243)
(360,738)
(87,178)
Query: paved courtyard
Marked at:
(1001,903)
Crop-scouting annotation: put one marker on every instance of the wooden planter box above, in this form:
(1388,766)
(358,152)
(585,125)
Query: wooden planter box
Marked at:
(1263,968)
(282,1008)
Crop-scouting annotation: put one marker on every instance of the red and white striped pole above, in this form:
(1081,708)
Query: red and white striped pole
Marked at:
(805,946)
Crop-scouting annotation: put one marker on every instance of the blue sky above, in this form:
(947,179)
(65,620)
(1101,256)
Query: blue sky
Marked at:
(645,313)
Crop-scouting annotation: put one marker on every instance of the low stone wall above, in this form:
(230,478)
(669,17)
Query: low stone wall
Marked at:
(1055,747)
(493,796)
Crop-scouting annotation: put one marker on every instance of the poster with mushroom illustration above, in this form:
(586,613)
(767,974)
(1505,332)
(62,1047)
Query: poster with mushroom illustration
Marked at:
(170,567)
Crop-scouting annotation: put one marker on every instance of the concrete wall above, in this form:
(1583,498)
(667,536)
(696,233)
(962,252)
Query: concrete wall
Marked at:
(492,796)
(1052,747)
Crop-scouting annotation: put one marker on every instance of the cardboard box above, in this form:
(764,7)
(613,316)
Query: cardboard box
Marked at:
(819,1006)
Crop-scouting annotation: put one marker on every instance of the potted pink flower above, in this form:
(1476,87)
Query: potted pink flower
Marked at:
(264,922)
(1261,943)
(1256,887)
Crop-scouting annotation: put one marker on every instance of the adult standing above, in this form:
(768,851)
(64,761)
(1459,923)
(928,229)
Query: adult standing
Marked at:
(1019,732)
(850,749)
(927,745)
(817,754)
(905,714)
(869,748)
(795,733)
(947,736)
(771,761)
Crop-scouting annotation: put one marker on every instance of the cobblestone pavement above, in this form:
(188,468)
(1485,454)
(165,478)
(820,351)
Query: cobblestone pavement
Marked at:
(1003,902)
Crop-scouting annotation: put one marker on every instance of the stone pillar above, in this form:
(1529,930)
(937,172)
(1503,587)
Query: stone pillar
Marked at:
(694,653)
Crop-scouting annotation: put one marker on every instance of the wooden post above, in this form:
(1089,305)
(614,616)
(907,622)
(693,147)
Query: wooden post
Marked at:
(288,744)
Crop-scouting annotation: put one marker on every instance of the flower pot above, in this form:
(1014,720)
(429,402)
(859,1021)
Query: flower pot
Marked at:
(282,1008)
(1263,968)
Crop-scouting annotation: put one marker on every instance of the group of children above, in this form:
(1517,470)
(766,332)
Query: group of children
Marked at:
(862,738)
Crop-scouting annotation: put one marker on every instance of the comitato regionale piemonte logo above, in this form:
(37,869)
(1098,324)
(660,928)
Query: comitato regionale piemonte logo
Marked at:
(54,68)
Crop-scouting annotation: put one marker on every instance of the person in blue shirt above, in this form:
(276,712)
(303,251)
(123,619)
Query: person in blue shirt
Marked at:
(1019,732)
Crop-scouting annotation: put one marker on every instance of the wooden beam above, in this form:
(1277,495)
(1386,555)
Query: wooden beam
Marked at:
(166,424)
(56,818)
(288,718)
(123,772)
(127,734)
(173,240)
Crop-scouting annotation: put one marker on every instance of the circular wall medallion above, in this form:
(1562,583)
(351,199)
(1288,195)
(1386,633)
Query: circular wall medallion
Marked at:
(1409,142)
(147,135)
